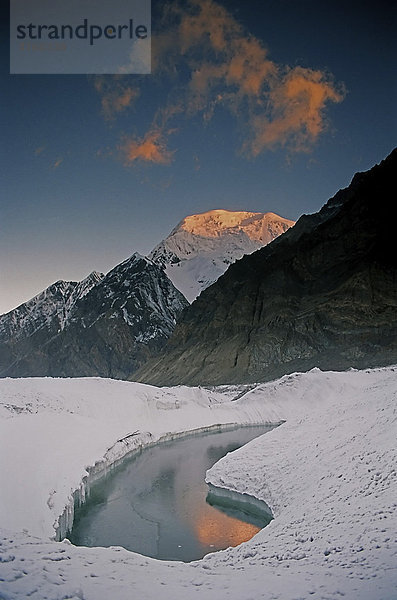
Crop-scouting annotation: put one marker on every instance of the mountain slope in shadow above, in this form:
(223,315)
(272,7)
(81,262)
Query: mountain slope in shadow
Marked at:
(324,294)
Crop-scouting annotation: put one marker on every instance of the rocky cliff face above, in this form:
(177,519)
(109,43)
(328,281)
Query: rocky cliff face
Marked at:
(49,310)
(323,294)
(30,326)
(201,247)
(108,330)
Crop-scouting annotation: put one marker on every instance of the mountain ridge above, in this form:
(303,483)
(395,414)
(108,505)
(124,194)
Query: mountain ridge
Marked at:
(63,330)
(55,302)
(324,294)
(111,327)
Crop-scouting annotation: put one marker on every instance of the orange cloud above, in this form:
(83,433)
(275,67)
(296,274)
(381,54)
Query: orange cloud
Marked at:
(274,105)
(248,67)
(206,20)
(116,96)
(152,148)
(297,105)
(57,163)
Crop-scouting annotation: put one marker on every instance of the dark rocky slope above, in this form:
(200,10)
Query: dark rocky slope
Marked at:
(108,331)
(323,294)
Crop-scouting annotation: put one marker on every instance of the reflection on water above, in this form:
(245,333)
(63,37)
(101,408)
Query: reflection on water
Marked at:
(156,504)
(223,531)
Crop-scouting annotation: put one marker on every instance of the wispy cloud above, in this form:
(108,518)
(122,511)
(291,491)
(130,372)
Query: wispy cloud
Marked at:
(116,95)
(152,149)
(57,163)
(224,66)
(296,113)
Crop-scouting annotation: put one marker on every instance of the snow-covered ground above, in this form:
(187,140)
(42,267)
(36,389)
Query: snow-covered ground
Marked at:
(328,474)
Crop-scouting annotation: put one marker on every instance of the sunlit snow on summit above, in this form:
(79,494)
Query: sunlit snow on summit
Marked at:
(202,246)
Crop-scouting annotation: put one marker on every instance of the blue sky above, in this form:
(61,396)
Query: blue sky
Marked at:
(95,168)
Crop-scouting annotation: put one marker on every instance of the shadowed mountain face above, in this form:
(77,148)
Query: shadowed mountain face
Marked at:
(109,325)
(107,328)
(323,294)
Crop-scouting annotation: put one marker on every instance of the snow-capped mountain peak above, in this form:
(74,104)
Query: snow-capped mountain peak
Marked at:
(215,223)
(108,325)
(133,259)
(201,247)
(49,309)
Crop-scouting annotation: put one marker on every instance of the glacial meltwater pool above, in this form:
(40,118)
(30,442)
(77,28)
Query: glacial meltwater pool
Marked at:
(155,503)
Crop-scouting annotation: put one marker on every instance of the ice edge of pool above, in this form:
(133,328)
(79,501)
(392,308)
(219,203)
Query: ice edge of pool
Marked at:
(138,441)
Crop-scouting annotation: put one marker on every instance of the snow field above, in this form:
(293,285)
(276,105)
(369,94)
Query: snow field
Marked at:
(328,474)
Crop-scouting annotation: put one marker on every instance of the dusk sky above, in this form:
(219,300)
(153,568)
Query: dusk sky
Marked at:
(260,106)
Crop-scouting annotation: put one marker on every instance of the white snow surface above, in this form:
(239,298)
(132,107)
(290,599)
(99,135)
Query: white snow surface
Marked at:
(328,473)
(201,247)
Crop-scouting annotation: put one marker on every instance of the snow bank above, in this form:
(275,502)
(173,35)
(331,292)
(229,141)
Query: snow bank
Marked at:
(327,474)
(51,430)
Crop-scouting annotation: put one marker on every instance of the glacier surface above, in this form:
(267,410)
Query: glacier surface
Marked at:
(328,474)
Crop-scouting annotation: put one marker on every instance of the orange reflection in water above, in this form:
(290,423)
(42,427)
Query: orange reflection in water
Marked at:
(214,528)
